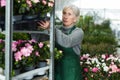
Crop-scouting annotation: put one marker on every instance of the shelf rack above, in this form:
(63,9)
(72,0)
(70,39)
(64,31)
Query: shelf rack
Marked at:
(22,76)
(8,51)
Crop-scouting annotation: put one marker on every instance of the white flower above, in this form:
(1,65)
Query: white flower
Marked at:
(81,63)
(48,45)
(103,56)
(119,60)
(60,51)
(88,62)
(105,68)
(95,60)
(103,64)
(102,60)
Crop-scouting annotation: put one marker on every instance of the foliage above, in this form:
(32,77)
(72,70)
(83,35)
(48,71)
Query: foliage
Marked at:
(28,52)
(21,36)
(100,67)
(100,48)
(33,6)
(17,36)
(24,52)
(29,6)
(98,38)
(2,46)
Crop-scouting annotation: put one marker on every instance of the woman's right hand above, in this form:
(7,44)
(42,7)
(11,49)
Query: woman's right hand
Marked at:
(44,24)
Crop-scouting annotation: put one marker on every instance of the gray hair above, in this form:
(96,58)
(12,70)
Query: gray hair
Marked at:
(74,8)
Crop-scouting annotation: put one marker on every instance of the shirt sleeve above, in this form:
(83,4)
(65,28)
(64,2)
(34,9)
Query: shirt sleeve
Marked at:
(73,39)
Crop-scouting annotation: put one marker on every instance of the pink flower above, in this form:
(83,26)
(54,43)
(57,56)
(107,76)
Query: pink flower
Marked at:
(18,56)
(3,3)
(103,56)
(1,40)
(95,69)
(85,69)
(29,3)
(37,53)
(44,2)
(50,4)
(25,51)
(30,47)
(85,56)
(114,68)
(40,44)
(32,41)
(14,45)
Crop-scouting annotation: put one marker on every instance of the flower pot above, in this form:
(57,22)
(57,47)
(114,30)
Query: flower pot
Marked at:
(41,64)
(17,18)
(17,71)
(29,17)
(29,68)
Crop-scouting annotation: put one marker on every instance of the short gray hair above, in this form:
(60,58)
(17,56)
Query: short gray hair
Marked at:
(74,8)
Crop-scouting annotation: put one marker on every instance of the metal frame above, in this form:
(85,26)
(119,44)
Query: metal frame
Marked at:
(52,40)
(8,41)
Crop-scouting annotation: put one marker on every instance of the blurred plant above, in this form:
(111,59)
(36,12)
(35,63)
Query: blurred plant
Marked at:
(2,7)
(2,51)
(28,6)
(100,67)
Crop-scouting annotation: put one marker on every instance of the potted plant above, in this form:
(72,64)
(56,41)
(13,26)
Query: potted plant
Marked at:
(44,54)
(100,67)
(44,7)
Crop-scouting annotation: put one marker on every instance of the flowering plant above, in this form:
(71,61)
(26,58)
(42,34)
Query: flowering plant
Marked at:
(26,51)
(100,67)
(30,6)
(2,7)
(45,6)
(45,53)
(25,6)
(2,45)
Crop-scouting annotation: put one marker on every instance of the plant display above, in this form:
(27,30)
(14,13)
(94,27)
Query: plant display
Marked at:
(98,38)
(28,52)
(100,67)
(2,53)
(29,6)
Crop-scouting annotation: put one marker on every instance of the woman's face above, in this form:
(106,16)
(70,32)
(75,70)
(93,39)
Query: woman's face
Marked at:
(68,17)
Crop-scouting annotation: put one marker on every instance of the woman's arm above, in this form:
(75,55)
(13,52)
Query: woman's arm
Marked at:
(75,38)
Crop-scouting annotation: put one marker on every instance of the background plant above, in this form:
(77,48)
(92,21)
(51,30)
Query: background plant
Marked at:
(2,55)
(97,67)
(98,38)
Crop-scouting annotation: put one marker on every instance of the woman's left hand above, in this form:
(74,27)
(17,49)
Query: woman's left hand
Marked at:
(44,24)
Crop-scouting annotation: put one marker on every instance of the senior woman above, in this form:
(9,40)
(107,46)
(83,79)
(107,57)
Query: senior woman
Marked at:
(68,38)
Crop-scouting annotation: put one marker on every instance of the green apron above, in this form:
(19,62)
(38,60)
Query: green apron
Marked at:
(68,67)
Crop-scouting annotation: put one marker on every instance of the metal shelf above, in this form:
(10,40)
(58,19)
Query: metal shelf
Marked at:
(32,72)
(2,77)
(38,71)
(8,51)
